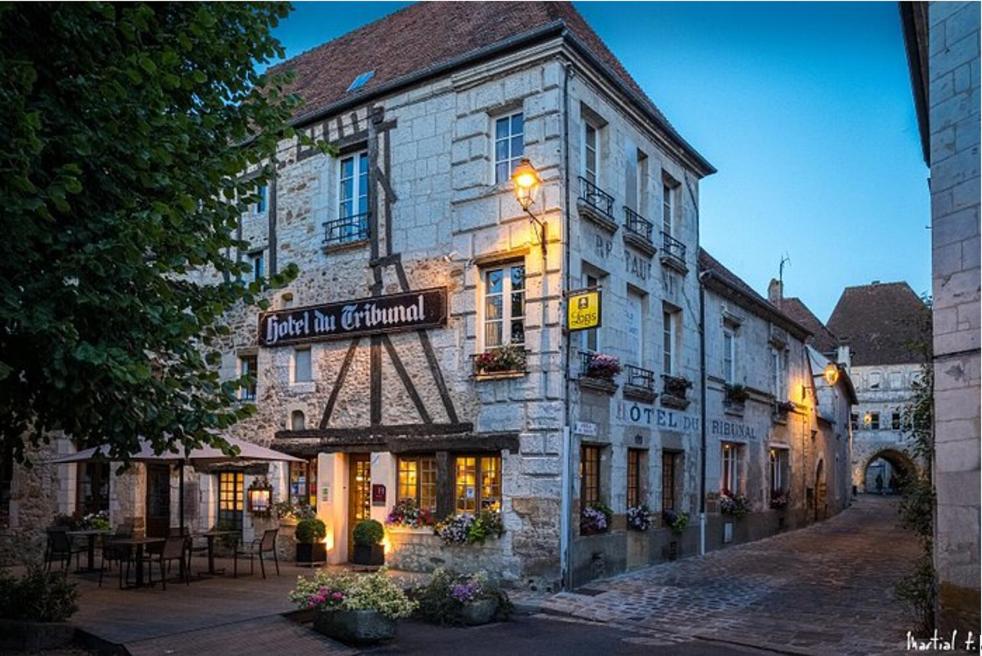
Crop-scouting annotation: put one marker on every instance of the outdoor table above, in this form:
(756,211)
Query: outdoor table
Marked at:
(90,535)
(210,537)
(139,544)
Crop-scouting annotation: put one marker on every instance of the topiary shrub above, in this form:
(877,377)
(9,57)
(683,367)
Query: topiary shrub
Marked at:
(368,532)
(310,531)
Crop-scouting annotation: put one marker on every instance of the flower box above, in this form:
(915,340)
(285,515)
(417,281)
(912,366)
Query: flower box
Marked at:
(355,626)
(479,611)
(501,362)
(736,394)
(369,554)
(311,553)
(595,519)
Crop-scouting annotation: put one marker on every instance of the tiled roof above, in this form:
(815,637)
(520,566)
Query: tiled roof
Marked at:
(882,323)
(709,263)
(430,35)
(822,338)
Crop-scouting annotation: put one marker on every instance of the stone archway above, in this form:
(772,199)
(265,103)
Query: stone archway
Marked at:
(891,465)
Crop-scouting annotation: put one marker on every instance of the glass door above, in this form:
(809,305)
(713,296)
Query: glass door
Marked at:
(359,492)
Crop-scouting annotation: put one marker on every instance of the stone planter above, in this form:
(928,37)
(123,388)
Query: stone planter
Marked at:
(673,550)
(21,635)
(310,554)
(480,611)
(355,626)
(368,554)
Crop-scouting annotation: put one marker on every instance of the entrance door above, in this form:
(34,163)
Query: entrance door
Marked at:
(158,500)
(359,492)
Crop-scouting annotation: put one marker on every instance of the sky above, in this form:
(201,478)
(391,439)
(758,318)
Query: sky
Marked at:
(805,110)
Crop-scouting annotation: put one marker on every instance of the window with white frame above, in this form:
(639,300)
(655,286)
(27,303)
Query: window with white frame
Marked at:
(591,152)
(642,183)
(634,319)
(248,366)
(779,374)
(352,221)
(302,372)
(729,355)
(729,480)
(257,261)
(591,338)
(504,305)
(779,471)
(509,145)
(667,207)
(670,336)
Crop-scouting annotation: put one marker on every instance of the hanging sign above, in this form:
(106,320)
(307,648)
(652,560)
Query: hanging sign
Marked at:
(583,309)
(425,308)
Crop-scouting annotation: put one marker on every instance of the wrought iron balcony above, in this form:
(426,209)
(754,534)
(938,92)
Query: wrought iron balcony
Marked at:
(596,204)
(673,252)
(637,224)
(639,377)
(346,230)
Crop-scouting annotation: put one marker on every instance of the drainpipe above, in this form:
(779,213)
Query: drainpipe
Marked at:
(566,503)
(702,412)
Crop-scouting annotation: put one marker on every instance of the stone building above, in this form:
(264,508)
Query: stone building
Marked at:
(777,432)
(422,353)
(942,40)
(883,332)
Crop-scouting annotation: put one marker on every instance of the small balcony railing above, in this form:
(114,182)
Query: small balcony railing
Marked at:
(639,377)
(596,197)
(672,248)
(637,224)
(346,230)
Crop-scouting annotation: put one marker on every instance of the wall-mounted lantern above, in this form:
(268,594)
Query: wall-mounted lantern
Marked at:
(259,497)
(527,182)
(831,373)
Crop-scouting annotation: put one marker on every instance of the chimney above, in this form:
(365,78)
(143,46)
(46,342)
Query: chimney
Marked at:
(775,291)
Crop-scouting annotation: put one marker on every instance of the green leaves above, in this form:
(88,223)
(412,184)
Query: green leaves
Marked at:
(120,123)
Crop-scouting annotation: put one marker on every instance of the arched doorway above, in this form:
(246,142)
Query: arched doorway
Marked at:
(821,492)
(885,471)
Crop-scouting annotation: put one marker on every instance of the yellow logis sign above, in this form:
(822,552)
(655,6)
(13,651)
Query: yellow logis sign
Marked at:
(583,309)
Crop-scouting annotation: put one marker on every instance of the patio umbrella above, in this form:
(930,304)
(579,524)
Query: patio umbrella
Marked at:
(248,452)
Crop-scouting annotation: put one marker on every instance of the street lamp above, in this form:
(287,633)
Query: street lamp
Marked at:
(831,373)
(527,182)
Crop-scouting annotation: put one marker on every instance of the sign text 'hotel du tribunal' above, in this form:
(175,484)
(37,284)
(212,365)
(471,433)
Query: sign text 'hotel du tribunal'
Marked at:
(425,308)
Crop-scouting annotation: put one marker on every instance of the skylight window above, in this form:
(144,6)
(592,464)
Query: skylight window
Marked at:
(360,81)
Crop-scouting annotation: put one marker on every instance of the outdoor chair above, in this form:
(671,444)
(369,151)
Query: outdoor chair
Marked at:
(60,549)
(175,548)
(121,554)
(258,547)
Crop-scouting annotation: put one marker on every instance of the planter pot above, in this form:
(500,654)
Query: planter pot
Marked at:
(22,635)
(309,554)
(479,612)
(368,554)
(355,626)
(673,550)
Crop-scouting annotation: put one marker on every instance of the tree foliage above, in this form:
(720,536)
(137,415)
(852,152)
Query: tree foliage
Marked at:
(125,130)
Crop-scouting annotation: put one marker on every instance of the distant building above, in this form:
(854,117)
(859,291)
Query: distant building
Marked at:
(942,41)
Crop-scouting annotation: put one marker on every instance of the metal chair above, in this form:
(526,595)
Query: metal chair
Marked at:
(255,548)
(174,549)
(121,554)
(60,549)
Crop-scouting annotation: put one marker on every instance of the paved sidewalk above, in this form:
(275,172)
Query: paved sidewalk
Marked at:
(824,589)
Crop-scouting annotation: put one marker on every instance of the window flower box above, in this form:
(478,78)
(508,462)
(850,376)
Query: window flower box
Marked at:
(509,361)
(466,528)
(675,521)
(735,505)
(595,519)
(675,391)
(784,407)
(779,500)
(639,518)
(407,514)
(599,371)
(736,394)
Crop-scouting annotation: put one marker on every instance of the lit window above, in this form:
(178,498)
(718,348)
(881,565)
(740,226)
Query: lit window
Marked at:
(248,367)
(417,481)
(303,483)
(504,306)
(351,224)
(301,365)
(779,471)
(590,153)
(874,421)
(230,500)
(669,460)
(257,261)
(635,480)
(509,145)
(730,474)
(477,483)
(589,475)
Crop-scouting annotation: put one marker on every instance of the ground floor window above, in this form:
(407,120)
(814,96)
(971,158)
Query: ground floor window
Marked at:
(303,483)
(730,475)
(230,499)
(417,481)
(589,475)
(779,471)
(92,487)
(635,479)
(669,460)
(477,483)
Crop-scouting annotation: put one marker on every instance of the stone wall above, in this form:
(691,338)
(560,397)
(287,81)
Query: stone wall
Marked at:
(954,146)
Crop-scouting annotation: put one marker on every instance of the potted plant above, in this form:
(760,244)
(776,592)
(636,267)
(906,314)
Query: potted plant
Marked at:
(358,609)
(595,518)
(676,521)
(677,386)
(34,610)
(367,536)
(406,513)
(736,394)
(502,359)
(784,407)
(469,529)
(602,366)
(638,518)
(779,499)
(310,535)
(452,598)
(736,505)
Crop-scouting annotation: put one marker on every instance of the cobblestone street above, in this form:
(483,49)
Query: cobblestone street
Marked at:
(825,589)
